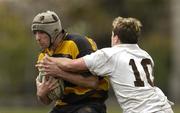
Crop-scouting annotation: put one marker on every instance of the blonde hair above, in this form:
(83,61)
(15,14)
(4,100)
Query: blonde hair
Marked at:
(127,29)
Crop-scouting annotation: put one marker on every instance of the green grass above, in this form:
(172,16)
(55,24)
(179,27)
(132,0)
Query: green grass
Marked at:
(23,110)
(111,109)
(176,109)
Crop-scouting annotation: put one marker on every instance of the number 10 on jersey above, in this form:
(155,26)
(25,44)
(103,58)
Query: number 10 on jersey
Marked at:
(144,63)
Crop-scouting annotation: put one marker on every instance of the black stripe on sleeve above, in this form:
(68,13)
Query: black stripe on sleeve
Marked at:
(62,55)
(84,46)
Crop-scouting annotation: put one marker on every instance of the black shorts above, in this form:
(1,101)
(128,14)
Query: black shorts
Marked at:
(91,107)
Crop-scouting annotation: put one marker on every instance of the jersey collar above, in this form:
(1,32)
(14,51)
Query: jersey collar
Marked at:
(132,46)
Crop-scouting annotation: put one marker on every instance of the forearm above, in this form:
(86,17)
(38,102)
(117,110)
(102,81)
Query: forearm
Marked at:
(64,63)
(70,65)
(78,79)
(42,93)
(44,99)
(65,68)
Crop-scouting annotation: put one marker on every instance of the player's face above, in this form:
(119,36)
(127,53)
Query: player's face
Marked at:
(42,39)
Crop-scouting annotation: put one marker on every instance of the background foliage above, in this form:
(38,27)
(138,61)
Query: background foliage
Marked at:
(92,18)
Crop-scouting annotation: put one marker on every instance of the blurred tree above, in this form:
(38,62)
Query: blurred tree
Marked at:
(92,18)
(175,71)
(161,54)
(14,45)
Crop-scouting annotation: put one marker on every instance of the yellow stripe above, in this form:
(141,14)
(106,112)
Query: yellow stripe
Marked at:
(68,47)
(77,90)
(59,102)
(103,85)
(93,44)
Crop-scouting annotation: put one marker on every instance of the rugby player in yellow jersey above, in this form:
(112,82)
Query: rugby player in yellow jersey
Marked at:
(84,92)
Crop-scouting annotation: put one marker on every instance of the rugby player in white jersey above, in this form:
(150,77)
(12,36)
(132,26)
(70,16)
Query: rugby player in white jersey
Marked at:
(130,69)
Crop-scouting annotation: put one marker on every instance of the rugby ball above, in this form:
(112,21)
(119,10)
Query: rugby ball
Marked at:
(56,93)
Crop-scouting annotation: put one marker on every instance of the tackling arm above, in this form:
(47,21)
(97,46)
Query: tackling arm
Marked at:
(67,64)
(52,69)
(78,79)
(65,68)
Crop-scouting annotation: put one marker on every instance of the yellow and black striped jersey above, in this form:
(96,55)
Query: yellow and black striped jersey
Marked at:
(75,46)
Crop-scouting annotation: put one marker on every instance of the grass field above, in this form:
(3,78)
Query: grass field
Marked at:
(112,109)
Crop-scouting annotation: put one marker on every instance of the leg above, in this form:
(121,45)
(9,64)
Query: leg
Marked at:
(58,110)
(92,108)
(87,109)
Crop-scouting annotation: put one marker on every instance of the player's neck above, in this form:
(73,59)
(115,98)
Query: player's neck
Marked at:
(118,42)
(57,41)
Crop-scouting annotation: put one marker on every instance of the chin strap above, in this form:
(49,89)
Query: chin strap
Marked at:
(59,38)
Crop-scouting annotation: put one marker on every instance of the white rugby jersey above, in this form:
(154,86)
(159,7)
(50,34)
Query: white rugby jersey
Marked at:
(130,70)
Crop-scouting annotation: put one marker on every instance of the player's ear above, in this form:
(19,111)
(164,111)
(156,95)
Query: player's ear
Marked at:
(115,39)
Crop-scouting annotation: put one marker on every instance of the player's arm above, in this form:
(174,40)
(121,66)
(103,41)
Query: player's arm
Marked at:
(65,64)
(85,80)
(76,65)
(44,100)
(90,81)
(43,88)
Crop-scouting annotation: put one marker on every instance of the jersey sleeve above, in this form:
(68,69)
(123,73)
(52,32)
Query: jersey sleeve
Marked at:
(97,63)
(40,57)
(80,45)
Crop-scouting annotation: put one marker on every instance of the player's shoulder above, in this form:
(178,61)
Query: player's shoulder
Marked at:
(76,38)
(80,41)
(109,51)
(145,53)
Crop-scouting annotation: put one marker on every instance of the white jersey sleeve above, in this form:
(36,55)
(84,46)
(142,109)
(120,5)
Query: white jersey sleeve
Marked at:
(96,63)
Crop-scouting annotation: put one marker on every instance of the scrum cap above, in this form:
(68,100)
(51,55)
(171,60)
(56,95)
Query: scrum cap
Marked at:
(47,22)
